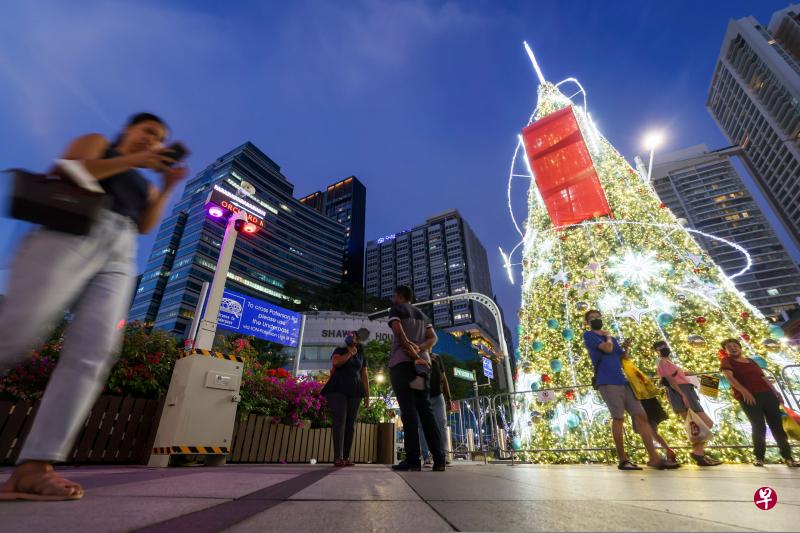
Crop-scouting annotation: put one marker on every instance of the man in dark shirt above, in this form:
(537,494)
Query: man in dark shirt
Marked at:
(413,338)
(440,403)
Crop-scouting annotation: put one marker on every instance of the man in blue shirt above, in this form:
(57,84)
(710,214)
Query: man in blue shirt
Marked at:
(606,355)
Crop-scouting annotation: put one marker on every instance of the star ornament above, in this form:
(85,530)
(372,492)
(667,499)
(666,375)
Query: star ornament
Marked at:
(636,267)
(635,313)
(593,267)
(696,259)
(706,291)
(559,277)
(590,407)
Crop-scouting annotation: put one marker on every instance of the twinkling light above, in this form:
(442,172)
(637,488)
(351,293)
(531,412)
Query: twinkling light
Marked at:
(659,302)
(636,267)
(610,301)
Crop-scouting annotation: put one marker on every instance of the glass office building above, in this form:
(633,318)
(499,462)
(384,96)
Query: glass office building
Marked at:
(346,202)
(297,243)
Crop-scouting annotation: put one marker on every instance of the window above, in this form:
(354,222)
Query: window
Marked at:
(773,292)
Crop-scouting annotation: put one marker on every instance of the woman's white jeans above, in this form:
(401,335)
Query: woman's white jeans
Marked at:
(93,277)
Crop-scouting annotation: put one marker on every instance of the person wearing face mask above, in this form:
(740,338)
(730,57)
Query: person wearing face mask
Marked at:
(92,274)
(682,396)
(606,355)
(759,399)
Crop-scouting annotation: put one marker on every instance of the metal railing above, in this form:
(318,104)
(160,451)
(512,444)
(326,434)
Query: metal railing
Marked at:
(501,415)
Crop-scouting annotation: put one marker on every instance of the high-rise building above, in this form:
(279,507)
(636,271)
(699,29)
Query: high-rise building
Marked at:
(346,202)
(755,99)
(442,257)
(704,188)
(297,243)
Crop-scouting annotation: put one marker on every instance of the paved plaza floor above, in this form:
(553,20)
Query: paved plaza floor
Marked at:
(468,497)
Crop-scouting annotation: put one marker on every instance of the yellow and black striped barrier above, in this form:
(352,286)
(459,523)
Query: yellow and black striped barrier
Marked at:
(167,450)
(209,353)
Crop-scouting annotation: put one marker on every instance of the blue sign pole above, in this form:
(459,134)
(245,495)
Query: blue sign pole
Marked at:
(488,370)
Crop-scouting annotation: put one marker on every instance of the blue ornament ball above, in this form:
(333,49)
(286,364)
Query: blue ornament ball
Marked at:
(537,346)
(516,442)
(572,421)
(552,323)
(519,330)
(665,319)
(724,384)
(760,361)
(556,365)
(568,334)
(776,332)
(534,386)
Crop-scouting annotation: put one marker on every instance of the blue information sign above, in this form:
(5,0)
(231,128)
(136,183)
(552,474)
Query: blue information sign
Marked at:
(488,370)
(251,316)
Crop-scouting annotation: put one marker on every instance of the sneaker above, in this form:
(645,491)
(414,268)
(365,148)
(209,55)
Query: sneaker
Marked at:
(758,462)
(427,462)
(439,467)
(339,463)
(406,467)
(704,460)
(791,463)
(348,462)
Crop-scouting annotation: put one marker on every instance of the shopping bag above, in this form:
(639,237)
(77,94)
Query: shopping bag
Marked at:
(696,429)
(709,385)
(791,423)
(642,387)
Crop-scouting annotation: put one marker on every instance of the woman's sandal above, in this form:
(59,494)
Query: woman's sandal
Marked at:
(50,487)
(627,465)
(702,460)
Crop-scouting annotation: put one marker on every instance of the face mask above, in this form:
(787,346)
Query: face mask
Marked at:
(596,324)
(664,351)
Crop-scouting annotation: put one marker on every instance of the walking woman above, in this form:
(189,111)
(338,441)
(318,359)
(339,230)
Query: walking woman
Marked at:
(682,396)
(344,391)
(760,401)
(93,275)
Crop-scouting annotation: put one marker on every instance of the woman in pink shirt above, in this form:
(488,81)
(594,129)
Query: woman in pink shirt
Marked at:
(682,397)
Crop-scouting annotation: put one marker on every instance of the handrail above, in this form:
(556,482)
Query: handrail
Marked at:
(788,383)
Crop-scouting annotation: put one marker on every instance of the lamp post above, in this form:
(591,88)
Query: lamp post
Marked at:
(651,141)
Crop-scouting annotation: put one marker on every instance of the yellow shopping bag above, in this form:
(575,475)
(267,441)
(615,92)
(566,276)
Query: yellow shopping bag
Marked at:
(642,387)
(791,423)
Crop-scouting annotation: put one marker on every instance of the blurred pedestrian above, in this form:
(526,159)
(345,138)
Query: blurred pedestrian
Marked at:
(682,397)
(441,399)
(347,387)
(414,336)
(759,399)
(94,275)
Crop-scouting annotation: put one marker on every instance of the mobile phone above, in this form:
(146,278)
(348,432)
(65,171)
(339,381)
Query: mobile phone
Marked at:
(176,151)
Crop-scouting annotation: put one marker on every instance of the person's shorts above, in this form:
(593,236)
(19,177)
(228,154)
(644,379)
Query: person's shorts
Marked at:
(620,398)
(676,402)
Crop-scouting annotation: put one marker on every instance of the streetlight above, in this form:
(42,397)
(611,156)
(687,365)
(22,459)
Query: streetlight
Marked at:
(651,141)
(380,377)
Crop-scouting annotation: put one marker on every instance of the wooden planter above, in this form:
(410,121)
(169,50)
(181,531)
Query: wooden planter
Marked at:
(117,430)
(256,439)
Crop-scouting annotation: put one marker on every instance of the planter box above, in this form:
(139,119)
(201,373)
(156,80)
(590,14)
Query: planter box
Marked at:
(256,439)
(117,430)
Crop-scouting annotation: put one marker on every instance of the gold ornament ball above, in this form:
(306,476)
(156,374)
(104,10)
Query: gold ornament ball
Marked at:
(582,306)
(771,345)
(526,367)
(696,341)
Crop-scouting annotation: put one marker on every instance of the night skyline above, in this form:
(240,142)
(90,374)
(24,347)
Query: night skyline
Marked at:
(422,102)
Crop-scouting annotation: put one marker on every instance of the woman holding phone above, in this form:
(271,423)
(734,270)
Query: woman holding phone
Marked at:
(344,391)
(94,275)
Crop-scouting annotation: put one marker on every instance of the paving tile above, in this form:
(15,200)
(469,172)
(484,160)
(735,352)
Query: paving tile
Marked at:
(346,517)
(359,483)
(95,513)
(198,485)
(565,516)
(782,517)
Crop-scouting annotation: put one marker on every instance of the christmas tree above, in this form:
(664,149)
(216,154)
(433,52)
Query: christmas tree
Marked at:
(598,237)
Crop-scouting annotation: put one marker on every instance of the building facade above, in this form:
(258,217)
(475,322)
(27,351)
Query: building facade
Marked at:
(296,243)
(325,331)
(755,99)
(705,189)
(442,257)
(346,202)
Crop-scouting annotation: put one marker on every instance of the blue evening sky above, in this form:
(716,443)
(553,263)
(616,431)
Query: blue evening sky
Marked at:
(421,100)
